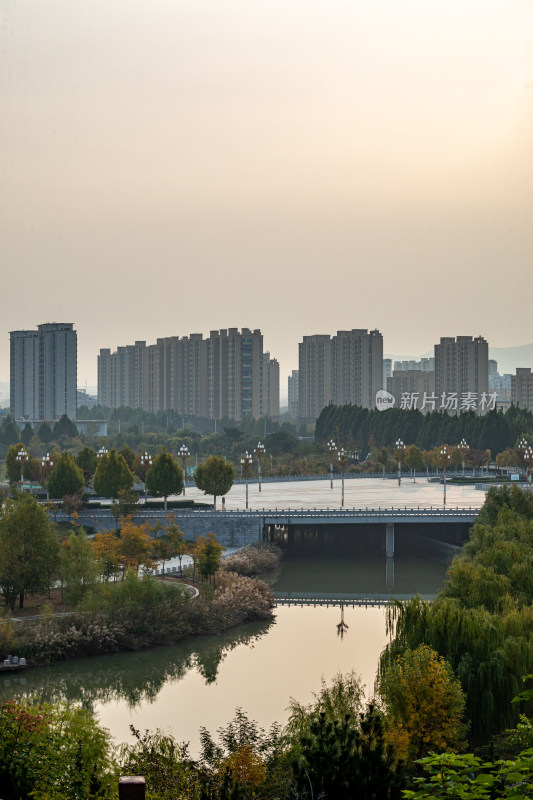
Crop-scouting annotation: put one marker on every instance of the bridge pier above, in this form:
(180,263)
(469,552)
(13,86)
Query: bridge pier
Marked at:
(389,539)
(389,574)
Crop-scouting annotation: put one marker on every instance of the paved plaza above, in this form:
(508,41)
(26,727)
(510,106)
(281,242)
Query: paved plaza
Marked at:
(358,493)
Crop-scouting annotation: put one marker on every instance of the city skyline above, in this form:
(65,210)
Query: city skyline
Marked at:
(300,168)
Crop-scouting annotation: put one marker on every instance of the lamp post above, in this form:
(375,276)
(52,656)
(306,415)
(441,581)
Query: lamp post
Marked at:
(46,464)
(523,446)
(463,447)
(528,459)
(183,455)
(343,460)
(400,447)
(246,463)
(260,451)
(146,461)
(22,458)
(332,449)
(445,457)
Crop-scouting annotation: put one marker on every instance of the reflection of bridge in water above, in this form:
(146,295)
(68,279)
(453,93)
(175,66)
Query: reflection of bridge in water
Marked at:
(338,599)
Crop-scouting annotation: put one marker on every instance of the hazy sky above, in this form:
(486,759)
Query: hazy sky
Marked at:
(177,166)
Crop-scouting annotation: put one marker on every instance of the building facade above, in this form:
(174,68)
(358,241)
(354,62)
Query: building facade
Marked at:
(225,375)
(522,388)
(461,371)
(293,394)
(44,372)
(345,368)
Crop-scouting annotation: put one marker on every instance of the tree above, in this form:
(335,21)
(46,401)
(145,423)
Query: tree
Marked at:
(215,476)
(66,477)
(128,455)
(125,506)
(28,549)
(414,459)
(44,432)
(65,427)
(53,751)
(112,475)
(106,547)
(207,555)
(78,568)
(164,476)
(12,465)
(87,461)
(9,432)
(424,704)
(134,547)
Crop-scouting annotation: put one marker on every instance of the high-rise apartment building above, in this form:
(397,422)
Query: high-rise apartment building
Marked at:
(225,375)
(293,394)
(43,372)
(345,368)
(462,366)
(522,388)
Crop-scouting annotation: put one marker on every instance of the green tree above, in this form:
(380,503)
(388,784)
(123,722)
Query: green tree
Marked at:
(128,455)
(28,549)
(12,465)
(78,568)
(127,502)
(44,432)
(66,477)
(26,434)
(112,475)
(87,461)
(215,476)
(65,427)
(53,751)
(9,432)
(164,476)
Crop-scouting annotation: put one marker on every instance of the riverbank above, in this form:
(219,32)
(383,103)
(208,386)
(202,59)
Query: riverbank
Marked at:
(143,614)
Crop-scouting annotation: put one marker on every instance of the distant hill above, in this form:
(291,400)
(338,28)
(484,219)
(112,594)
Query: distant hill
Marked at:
(509,358)
(4,394)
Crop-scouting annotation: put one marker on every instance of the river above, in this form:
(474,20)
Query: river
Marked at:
(257,667)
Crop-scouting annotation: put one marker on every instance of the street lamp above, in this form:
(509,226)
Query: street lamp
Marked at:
(102,452)
(332,449)
(46,464)
(22,458)
(246,463)
(146,461)
(463,447)
(260,451)
(528,459)
(400,447)
(343,460)
(445,457)
(183,454)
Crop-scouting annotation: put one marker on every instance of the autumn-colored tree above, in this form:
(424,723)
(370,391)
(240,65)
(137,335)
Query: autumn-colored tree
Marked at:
(12,465)
(106,545)
(424,704)
(245,767)
(134,546)
(208,553)
(414,459)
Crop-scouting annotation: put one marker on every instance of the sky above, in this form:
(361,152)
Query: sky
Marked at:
(178,166)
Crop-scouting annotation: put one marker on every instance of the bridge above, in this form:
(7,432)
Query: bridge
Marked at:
(240,527)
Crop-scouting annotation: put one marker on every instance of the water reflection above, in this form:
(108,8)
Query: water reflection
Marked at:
(132,677)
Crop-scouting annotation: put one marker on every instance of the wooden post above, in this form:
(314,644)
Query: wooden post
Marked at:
(131,788)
